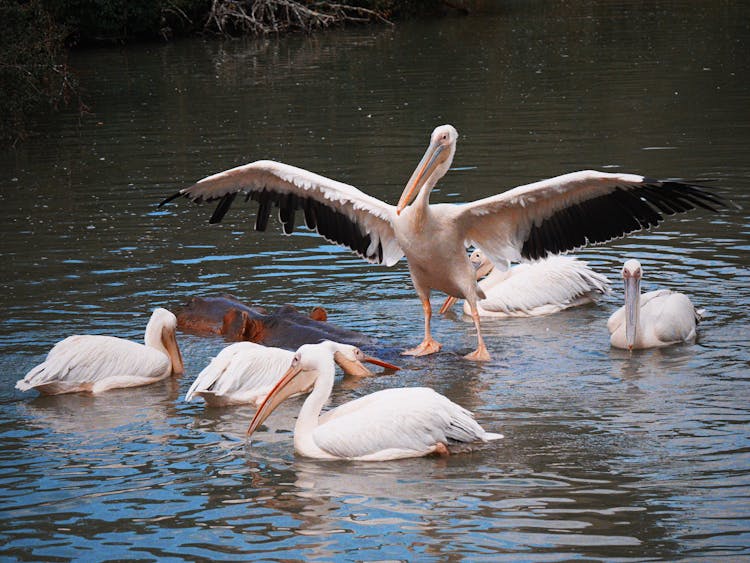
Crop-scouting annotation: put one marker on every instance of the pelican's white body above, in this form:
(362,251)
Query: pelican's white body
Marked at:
(95,363)
(539,288)
(242,373)
(665,317)
(654,319)
(388,424)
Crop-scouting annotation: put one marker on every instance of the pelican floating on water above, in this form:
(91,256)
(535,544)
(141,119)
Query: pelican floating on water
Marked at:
(388,424)
(94,363)
(525,223)
(654,319)
(245,372)
(533,289)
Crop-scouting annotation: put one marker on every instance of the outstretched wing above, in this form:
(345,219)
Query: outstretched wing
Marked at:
(570,211)
(341,213)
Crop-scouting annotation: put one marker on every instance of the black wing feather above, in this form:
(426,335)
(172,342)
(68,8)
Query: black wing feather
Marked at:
(622,211)
(335,226)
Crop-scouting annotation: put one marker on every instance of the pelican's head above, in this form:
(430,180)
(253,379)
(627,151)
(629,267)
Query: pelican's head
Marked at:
(481,263)
(350,358)
(308,363)
(433,166)
(631,275)
(161,333)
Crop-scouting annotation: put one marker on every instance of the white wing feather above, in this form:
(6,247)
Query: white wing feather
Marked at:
(373,216)
(88,362)
(541,287)
(500,224)
(396,420)
(243,372)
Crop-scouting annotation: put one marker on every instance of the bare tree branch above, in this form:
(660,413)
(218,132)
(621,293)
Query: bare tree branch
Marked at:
(272,16)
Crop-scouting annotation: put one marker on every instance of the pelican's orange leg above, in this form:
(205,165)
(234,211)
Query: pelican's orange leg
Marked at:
(480,354)
(429,345)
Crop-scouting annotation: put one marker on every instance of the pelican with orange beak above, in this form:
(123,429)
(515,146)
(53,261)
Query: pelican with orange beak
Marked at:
(388,424)
(244,372)
(654,319)
(94,363)
(525,223)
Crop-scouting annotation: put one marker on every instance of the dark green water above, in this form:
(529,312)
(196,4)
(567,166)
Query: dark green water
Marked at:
(606,455)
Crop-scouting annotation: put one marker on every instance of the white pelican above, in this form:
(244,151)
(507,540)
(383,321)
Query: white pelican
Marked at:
(94,363)
(245,372)
(532,289)
(654,319)
(388,424)
(528,222)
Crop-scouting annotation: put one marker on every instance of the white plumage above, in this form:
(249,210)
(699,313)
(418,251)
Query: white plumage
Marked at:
(654,319)
(389,424)
(536,288)
(245,372)
(528,222)
(94,363)
(241,373)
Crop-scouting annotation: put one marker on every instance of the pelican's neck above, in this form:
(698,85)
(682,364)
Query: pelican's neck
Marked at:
(421,205)
(307,420)
(152,338)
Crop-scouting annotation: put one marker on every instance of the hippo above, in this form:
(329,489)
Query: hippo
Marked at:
(285,327)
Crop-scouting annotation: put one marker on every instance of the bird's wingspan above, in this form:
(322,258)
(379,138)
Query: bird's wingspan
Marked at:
(572,210)
(339,212)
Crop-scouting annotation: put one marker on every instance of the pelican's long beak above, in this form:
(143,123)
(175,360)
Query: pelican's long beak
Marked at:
(357,368)
(483,267)
(632,292)
(280,392)
(423,171)
(169,340)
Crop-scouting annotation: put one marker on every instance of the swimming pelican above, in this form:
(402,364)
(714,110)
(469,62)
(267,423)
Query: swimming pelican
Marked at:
(654,319)
(94,363)
(525,223)
(245,372)
(532,289)
(388,424)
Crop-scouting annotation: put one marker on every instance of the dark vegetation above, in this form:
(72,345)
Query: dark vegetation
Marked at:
(36,36)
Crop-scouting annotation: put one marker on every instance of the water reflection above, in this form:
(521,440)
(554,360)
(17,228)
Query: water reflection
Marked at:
(82,413)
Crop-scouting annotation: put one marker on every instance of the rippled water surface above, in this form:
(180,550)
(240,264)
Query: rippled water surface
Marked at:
(607,455)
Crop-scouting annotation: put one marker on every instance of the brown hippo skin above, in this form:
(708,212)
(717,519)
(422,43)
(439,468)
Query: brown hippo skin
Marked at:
(284,327)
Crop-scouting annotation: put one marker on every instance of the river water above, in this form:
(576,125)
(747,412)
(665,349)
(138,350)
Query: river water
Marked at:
(607,455)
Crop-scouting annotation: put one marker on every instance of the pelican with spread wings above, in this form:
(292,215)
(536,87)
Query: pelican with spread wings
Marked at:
(528,222)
